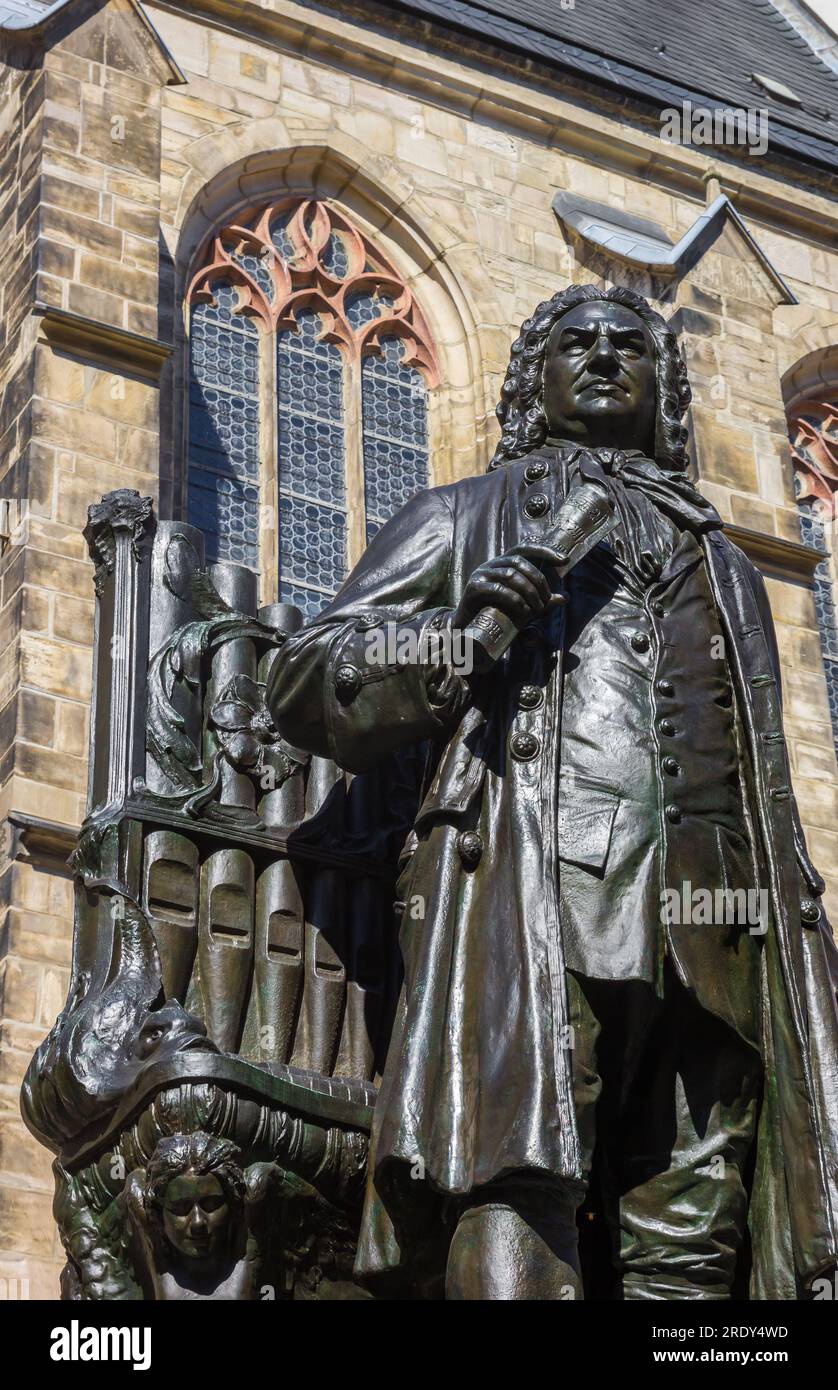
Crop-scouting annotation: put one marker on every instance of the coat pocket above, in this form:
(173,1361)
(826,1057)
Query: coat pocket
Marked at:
(586,821)
(460,774)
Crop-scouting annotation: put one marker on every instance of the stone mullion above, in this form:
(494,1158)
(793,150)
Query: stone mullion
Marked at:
(356,529)
(268,470)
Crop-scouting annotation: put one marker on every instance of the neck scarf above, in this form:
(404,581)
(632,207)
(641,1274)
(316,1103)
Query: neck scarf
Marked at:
(654,505)
(673,493)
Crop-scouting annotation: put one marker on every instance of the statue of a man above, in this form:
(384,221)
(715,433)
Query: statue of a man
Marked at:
(612,942)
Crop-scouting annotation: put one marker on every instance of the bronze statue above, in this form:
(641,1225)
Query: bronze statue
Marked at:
(552,694)
(208,1086)
(187,1209)
(566,1033)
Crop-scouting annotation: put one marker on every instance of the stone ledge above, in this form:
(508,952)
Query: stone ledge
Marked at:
(776,557)
(36,840)
(102,342)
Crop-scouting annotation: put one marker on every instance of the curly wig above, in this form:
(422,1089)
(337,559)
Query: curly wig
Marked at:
(521,411)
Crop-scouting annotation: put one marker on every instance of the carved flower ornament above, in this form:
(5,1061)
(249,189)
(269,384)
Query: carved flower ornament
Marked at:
(243,723)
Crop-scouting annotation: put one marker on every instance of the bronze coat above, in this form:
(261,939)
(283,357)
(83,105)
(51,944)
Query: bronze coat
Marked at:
(477,1081)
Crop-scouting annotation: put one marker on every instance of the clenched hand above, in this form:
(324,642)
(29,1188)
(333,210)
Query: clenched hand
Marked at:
(513,583)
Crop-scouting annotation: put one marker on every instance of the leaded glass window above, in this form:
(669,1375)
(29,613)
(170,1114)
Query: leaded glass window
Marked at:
(312,465)
(814,438)
(224,430)
(395,420)
(310,369)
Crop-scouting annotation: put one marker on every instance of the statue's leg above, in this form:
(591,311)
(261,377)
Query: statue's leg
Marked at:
(521,1243)
(688,1127)
(518,1238)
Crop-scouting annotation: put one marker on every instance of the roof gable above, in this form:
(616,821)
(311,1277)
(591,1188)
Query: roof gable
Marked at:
(639,243)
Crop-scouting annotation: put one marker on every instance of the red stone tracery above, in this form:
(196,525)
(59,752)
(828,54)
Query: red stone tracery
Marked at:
(813,431)
(300,278)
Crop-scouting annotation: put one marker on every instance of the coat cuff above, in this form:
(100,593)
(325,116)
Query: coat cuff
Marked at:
(391,682)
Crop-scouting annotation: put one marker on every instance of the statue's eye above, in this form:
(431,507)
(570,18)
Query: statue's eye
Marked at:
(149,1039)
(632,346)
(211,1204)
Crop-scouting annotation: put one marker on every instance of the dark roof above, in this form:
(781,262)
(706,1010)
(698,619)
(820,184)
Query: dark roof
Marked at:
(667,51)
(663,51)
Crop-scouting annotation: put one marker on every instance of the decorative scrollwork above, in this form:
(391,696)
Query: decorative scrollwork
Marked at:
(246,732)
(122,510)
(104,1039)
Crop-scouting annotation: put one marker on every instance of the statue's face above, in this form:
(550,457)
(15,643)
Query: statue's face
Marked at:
(599,378)
(195,1215)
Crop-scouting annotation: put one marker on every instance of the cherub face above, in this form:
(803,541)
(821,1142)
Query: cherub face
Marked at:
(195,1215)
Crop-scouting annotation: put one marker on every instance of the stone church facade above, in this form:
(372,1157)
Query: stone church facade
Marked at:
(263,262)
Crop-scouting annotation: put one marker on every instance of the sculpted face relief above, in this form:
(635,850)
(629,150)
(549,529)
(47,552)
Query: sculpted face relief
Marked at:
(195,1214)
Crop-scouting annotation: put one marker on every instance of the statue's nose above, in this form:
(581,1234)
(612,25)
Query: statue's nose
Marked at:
(197,1222)
(602,354)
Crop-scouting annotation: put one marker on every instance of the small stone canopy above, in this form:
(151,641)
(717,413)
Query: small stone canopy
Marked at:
(642,244)
(33,19)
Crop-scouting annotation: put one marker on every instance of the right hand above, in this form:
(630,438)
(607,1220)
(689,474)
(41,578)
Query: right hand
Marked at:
(512,583)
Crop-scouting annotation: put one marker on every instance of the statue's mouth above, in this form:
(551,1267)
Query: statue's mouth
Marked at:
(606,388)
(198,1045)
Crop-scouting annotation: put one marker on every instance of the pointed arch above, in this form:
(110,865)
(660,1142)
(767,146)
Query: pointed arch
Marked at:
(219,226)
(310,363)
(297,254)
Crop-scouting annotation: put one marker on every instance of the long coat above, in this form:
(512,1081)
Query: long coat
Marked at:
(478,1081)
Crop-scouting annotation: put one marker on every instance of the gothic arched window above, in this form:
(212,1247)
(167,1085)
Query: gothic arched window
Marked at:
(813,430)
(310,364)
